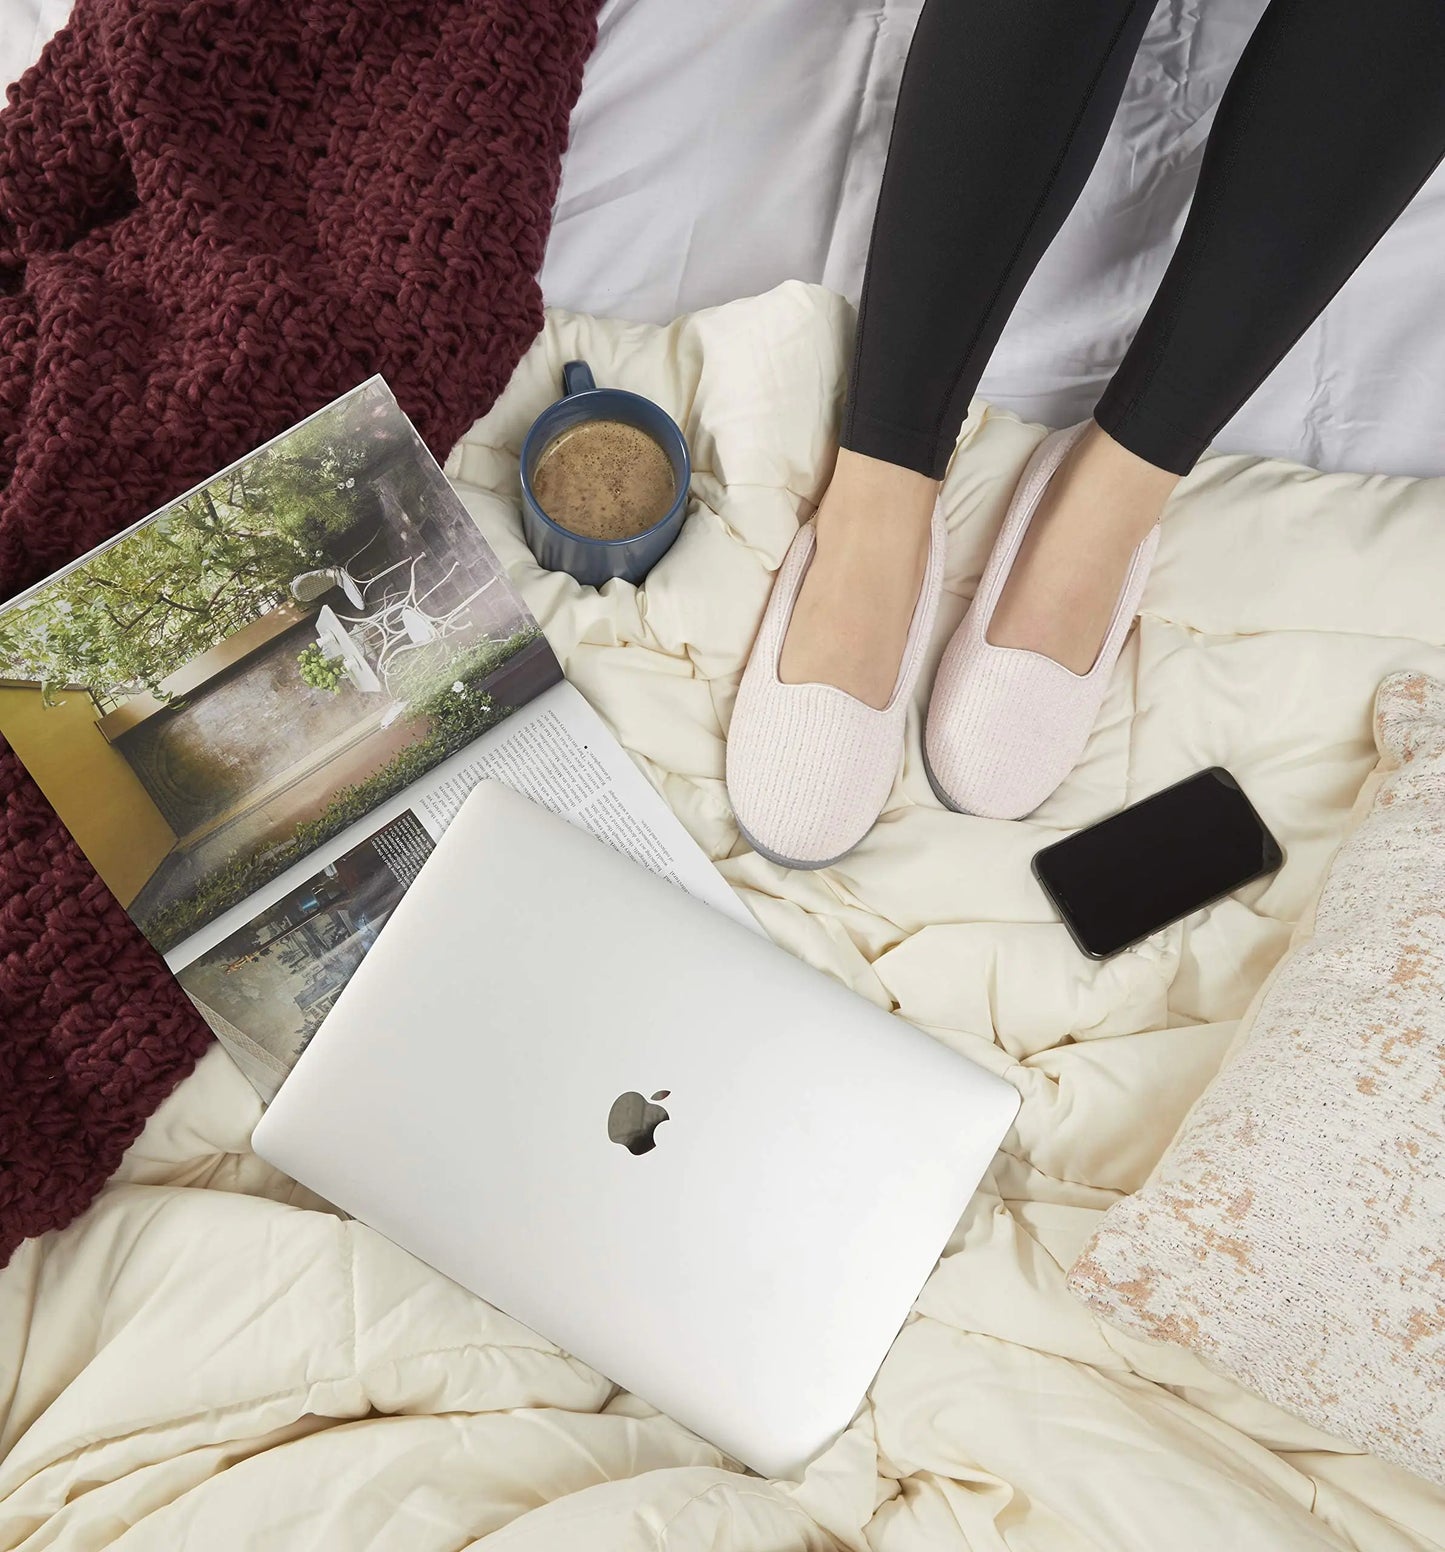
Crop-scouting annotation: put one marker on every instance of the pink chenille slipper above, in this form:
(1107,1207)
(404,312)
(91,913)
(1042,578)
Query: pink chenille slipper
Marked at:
(1006,726)
(809,767)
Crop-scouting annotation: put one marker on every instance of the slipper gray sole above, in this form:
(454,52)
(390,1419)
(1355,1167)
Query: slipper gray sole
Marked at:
(788,862)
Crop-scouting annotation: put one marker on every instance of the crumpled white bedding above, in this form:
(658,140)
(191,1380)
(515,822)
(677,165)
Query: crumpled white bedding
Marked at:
(208,1359)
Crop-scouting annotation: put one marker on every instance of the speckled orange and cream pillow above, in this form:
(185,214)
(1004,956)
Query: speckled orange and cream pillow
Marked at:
(1294,1233)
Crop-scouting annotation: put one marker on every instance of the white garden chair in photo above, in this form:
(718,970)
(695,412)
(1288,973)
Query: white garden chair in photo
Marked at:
(310,587)
(403,624)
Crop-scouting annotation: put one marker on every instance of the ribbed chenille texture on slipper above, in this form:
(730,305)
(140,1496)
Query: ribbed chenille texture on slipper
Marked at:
(809,767)
(1006,726)
(214,218)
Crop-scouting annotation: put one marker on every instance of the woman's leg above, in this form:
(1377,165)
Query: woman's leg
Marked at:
(1333,119)
(1003,107)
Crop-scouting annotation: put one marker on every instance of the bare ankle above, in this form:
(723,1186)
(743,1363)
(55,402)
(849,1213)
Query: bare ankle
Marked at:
(867,491)
(1105,489)
(1117,468)
(1062,590)
(852,615)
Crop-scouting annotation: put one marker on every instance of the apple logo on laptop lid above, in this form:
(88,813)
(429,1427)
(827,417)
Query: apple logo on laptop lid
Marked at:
(633,1121)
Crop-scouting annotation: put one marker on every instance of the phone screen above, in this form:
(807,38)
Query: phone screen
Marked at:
(1156,861)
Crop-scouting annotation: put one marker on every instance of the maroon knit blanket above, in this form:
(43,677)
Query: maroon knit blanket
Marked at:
(215,216)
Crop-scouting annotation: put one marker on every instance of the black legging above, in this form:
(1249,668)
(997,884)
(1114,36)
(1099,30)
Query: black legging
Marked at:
(1334,118)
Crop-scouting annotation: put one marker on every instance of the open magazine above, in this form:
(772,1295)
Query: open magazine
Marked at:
(258,710)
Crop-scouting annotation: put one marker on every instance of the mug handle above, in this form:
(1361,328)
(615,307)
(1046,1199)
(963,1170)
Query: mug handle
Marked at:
(577,378)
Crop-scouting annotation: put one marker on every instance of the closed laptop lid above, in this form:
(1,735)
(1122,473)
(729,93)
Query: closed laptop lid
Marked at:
(709,1171)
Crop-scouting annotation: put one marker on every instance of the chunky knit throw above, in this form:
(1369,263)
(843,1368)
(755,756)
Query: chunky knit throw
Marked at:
(215,216)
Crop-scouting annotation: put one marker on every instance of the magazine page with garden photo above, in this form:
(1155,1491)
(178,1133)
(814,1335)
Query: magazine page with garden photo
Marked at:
(258,710)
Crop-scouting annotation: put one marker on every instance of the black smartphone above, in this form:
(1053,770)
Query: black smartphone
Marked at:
(1157,860)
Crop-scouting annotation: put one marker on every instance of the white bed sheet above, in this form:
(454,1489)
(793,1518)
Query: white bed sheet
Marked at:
(25,26)
(720,149)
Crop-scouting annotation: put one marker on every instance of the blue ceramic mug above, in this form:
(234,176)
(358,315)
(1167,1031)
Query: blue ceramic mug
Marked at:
(595,561)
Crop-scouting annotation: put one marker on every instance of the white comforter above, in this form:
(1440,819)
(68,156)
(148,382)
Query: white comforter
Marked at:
(209,1359)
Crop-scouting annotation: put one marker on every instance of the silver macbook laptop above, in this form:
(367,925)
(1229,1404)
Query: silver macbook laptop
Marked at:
(711,1172)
